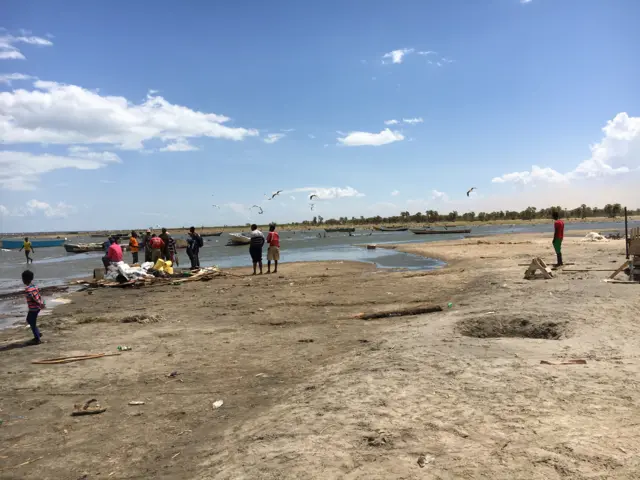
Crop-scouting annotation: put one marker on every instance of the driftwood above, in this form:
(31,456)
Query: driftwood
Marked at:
(403,312)
(75,358)
(88,408)
(568,362)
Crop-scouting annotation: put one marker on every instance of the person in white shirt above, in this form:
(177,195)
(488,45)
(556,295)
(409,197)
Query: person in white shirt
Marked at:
(255,247)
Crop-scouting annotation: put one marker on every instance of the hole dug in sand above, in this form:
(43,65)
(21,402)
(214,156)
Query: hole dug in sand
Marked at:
(522,326)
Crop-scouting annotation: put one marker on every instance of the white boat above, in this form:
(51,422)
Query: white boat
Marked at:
(238,239)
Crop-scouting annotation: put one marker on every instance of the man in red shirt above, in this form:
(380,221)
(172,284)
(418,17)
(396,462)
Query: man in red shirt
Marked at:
(114,254)
(273,239)
(558,235)
(157,248)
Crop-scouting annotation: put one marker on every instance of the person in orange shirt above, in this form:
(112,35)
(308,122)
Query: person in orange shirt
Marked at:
(134,247)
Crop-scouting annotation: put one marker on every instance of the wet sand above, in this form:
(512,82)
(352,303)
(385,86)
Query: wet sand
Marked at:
(310,392)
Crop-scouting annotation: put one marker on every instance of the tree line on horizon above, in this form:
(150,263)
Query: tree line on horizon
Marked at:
(433,216)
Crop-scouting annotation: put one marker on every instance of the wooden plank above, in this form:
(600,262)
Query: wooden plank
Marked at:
(621,268)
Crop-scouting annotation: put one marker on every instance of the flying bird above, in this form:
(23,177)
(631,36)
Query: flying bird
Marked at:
(274,195)
(312,196)
(312,205)
(260,211)
(217,206)
(470,190)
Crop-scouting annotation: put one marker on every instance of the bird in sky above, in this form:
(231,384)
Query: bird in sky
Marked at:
(275,194)
(260,211)
(312,196)
(216,206)
(470,190)
(312,205)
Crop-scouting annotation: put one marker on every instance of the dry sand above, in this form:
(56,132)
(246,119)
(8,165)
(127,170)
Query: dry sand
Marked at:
(311,393)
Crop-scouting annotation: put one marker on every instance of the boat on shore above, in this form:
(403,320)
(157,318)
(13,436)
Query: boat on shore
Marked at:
(392,229)
(431,231)
(35,243)
(83,247)
(236,239)
(340,230)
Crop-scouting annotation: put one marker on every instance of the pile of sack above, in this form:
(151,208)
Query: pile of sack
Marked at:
(594,237)
(123,272)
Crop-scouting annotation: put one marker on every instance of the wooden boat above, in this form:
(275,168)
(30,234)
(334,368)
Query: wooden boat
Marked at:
(236,239)
(216,234)
(35,243)
(392,229)
(340,230)
(430,231)
(83,247)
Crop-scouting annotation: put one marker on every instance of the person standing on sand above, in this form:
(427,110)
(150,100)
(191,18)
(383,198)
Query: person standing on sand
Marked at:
(164,236)
(35,304)
(558,235)
(273,252)
(173,251)
(194,242)
(134,246)
(146,244)
(255,247)
(157,247)
(28,248)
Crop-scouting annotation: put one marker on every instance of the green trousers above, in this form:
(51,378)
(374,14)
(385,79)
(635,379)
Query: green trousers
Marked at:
(557,245)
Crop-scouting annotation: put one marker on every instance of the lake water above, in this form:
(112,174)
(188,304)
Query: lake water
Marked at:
(54,266)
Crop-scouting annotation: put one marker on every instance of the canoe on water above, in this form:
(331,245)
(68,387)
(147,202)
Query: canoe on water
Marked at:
(393,229)
(439,231)
(236,239)
(341,230)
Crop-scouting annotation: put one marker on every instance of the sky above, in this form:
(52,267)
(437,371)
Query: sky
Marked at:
(135,114)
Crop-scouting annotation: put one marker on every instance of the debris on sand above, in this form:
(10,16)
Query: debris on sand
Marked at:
(173,374)
(306,340)
(142,319)
(136,402)
(399,313)
(217,404)
(90,407)
(424,460)
(568,362)
(594,237)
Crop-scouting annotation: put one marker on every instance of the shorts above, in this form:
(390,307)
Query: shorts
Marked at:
(557,245)
(273,253)
(256,254)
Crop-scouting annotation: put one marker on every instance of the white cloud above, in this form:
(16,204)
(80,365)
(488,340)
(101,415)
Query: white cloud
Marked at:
(311,136)
(428,52)
(22,170)
(53,113)
(412,121)
(292,197)
(396,56)
(108,182)
(525,1)
(391,122)
(4,211)
(7,78)
(618,152)
(9,50)
(395,193)
(436,195)
(357,139)
(180,145)
(536,174)
(287,130)
(36,207)
(274,137)
(329,193)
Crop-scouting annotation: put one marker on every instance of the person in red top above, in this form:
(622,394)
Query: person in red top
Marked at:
(157,248)
(273,239)
(114,254)
(34,302)
(558,235)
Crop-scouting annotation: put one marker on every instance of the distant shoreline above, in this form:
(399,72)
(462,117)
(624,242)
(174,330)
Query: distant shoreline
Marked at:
(301,227)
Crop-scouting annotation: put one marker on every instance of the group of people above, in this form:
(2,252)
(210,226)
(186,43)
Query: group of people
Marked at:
(155,247)
(256,244)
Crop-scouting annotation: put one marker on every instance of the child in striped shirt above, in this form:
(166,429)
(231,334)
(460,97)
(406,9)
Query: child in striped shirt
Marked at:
(34,302)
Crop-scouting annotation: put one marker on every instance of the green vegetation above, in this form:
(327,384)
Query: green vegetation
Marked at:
(433,216)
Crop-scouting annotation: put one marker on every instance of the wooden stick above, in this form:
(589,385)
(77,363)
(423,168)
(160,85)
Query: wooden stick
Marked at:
(621,268)
(76,358)
(589,270)
(399,313)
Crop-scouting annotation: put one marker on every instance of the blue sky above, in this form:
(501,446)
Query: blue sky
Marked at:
(132,114)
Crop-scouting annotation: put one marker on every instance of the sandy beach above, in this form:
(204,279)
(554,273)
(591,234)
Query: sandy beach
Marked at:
(311,392)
